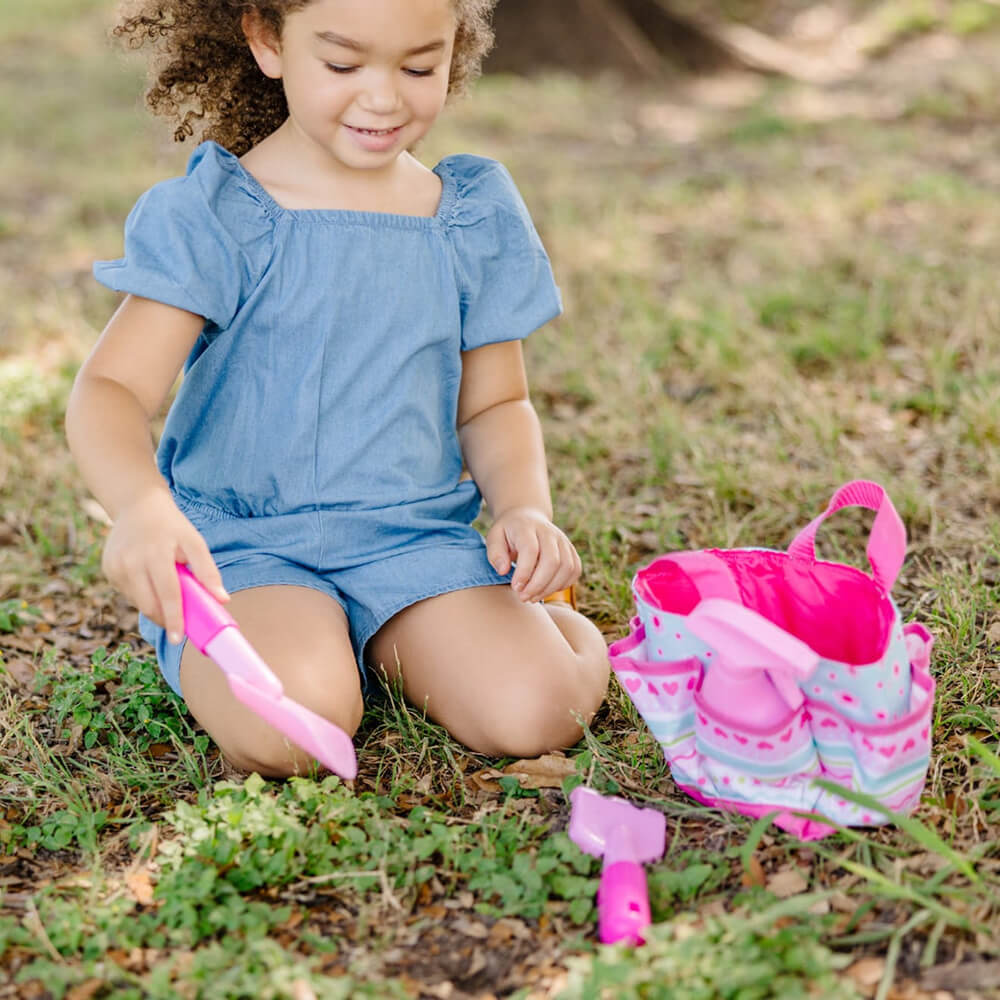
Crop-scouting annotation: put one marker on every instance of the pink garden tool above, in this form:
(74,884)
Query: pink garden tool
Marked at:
(756,676)
(625,836)
(215,633)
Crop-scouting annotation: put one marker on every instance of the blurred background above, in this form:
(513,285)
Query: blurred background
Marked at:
(744,201)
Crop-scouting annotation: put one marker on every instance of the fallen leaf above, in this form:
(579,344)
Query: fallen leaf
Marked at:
(843,903)
(754,875)
(485,780)
(21,669)
(508,929)
(787,883)
(966,976)
(547,771)
(993,633)
(867,971)
(140,885)
(85,990)
(471,928)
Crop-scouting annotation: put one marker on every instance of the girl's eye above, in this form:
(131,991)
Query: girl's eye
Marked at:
(419,72)
(334,68)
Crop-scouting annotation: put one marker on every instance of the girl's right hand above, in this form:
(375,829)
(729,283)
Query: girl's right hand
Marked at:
(147,539)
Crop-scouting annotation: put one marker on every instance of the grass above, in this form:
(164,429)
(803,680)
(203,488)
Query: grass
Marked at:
(775,305)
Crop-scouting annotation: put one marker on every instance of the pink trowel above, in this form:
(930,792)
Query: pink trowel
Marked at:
(626,837)
(757,674)
(215,633)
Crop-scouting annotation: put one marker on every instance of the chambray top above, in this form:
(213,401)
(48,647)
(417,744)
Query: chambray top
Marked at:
(322,392)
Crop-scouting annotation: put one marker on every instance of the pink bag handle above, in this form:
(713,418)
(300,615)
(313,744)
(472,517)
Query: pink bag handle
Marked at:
(887,544)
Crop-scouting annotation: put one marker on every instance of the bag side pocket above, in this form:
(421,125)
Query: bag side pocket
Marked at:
(662,692)
(887,761)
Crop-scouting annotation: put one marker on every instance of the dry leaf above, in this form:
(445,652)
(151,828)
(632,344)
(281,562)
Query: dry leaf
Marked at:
(993,633)
(485,780)
(867,971)
(964,976)
(470,928)
(86,990)
(440,991)
(754,876)
(21,669)
(508,929)
(547,771)
(843,903)
(140,885)
(301,990)
(787,883)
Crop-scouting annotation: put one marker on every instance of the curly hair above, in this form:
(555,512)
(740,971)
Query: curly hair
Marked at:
(203,76)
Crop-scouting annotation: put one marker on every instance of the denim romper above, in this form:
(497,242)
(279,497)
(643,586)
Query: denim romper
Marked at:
(313,440)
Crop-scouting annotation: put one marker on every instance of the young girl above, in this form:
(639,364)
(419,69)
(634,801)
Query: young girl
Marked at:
(350,327)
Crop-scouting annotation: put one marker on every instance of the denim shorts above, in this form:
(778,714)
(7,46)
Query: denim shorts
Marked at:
(258,552)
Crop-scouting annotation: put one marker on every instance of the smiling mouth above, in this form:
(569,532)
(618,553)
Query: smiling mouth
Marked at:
(375,131)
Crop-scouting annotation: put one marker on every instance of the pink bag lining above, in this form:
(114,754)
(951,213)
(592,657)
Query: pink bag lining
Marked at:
(837,610)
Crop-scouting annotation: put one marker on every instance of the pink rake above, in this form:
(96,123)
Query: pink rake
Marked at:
(625,836)
(216,635)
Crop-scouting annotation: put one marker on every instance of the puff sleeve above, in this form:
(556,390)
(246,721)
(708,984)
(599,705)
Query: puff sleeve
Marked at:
(183,248)
(506,286)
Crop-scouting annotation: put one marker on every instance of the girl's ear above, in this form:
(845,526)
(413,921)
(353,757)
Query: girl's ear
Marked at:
(264,43)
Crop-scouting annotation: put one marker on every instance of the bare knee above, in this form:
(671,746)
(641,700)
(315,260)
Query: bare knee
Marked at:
(262,748)
(495,673)
(542,707)
(303,635)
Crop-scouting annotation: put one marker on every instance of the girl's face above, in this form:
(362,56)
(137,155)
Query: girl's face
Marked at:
(364,79)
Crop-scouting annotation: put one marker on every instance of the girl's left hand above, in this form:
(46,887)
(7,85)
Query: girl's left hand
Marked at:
(545,557)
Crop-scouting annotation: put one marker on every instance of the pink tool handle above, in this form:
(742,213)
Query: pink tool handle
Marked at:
(217,635)
(748,643)
(204,616)
(215,632)
(887,544)
(622,903)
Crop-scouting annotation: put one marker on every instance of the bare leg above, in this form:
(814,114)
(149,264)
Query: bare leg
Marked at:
(504,678)
(302,636)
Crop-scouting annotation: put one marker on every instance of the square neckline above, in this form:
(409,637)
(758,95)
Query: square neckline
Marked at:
(344,215)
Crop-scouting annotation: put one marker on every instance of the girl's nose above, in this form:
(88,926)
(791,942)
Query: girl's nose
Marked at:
(380,95)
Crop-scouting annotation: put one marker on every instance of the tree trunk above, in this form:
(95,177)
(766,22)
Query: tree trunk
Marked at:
(641,39)
(645,40)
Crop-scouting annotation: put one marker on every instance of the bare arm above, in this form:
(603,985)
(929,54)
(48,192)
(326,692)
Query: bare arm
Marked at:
(499,430)
(502,444)
(120,388)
